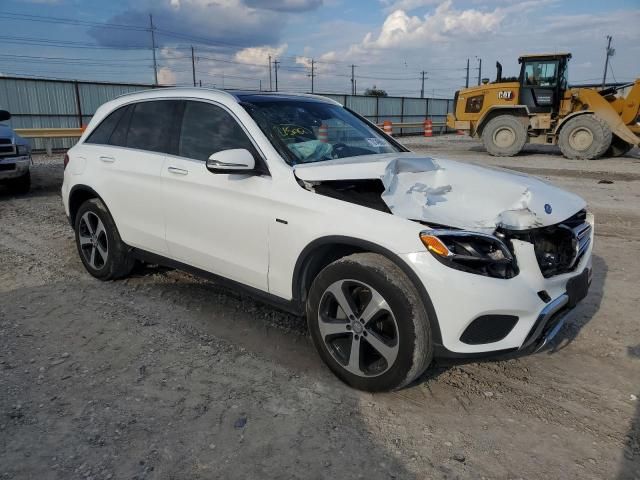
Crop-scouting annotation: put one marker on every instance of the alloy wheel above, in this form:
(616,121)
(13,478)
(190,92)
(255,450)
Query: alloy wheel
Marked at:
(93,240)
(358,328)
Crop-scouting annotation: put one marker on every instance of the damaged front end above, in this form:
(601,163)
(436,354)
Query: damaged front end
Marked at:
(559,247)
(473,212)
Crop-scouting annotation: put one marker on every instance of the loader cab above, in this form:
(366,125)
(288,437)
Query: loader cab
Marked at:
(543,79)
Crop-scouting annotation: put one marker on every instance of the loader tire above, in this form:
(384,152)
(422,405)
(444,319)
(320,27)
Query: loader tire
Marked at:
(618,147)
(504,136)
(584,137)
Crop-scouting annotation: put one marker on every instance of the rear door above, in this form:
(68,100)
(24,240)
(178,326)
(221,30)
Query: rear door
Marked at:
(129,177)
(216,221)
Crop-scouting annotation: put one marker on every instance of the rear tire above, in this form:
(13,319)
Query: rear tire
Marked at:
(100,247)
(381,339)
(504,136)
(584,137)
(618,148)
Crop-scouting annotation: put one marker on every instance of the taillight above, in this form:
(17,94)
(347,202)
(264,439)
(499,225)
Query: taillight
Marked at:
(66,160)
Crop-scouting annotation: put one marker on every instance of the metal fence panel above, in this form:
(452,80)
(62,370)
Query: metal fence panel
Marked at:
(389,107)
(36,103)
(94,95)
(365,106)
(28,97)
(341,99)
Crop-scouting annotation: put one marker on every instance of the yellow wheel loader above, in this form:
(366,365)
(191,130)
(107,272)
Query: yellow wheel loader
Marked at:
(539,107)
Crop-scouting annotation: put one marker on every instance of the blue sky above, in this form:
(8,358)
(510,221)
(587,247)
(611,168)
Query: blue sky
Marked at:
(390,41)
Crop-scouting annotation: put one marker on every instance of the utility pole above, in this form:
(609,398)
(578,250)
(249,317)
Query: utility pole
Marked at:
(193,65)
(610,53)
(270,84)
(466,85)
(353,79)
(275,65)
(422,89)
(153,47)
(479,70)
(313,73)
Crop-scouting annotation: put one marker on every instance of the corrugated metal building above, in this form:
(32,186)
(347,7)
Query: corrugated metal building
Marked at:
(39,103)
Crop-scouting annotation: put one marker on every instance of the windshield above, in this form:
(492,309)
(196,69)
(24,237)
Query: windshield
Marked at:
(305,131)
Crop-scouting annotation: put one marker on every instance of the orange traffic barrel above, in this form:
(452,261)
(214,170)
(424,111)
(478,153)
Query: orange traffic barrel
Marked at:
(428,128)
(323,133)
(387,126)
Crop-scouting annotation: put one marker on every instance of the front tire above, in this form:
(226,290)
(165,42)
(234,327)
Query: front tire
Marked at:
(584,137)
(101,249)
(504,136)
(368,323)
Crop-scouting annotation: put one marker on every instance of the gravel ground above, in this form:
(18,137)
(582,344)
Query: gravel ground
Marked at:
(164,375)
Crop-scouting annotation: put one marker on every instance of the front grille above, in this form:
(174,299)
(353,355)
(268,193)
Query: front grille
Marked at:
(6,150)
(560,247)
(5,141)
(4,167)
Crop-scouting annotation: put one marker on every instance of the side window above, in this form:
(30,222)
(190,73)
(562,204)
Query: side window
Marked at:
(207,129)
(119,135)
(103,131)
(542,74)
(151,124)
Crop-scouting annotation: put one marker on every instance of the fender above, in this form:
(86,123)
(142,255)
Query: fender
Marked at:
(303,262)
(88,193)
(569,117)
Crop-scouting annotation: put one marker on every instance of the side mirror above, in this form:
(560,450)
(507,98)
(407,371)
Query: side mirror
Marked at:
(4,115)
(237,160)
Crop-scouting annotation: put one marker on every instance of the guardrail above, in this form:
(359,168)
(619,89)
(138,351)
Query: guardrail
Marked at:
(49,132)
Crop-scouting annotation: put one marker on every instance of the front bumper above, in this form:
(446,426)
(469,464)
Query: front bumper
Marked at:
(539,304)
(14,167)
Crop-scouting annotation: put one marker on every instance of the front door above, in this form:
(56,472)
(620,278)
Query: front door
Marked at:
(217,222)
(539,86)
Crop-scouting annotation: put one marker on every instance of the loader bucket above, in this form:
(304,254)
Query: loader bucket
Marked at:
(598,105)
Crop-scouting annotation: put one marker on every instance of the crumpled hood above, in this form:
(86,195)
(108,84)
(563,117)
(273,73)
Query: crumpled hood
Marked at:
(451,193)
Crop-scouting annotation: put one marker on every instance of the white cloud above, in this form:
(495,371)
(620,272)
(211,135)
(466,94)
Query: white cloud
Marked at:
(166,76)
(402,30)
(259,55)
(406,5)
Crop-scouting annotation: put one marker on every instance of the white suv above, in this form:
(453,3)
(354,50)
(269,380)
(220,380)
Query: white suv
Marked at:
(394,258)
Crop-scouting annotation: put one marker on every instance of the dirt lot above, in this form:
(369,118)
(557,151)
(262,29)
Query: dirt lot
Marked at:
(167,376)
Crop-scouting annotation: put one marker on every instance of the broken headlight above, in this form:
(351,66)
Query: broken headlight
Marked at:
(471,252)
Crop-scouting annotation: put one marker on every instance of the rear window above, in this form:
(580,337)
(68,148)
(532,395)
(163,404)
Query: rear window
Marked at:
(151,124)
(102,132)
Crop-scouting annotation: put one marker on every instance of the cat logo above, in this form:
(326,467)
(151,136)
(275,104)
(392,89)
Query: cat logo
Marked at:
(505,95)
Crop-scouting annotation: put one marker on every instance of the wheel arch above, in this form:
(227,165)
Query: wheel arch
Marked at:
(564,120)
(77,196)
(493,112)
(325,250)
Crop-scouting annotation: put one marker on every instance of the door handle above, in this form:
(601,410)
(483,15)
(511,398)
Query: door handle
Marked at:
(106,159)
(178,171)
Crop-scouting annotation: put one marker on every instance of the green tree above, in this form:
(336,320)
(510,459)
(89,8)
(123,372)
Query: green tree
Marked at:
(375,92)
